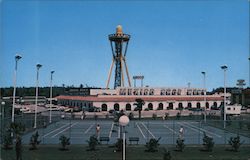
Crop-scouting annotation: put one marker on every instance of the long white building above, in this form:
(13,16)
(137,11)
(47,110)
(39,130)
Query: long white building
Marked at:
(123,98)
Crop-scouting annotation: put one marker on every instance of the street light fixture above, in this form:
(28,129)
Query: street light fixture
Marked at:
(38,66)
(123,121)
(17,58)
(225,118)
(51,77)
(205,94)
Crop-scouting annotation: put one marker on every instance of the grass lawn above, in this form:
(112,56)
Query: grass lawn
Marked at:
(134,152)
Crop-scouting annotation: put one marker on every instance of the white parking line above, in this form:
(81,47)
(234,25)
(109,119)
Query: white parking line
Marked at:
(141,131)
(148,130)
(65,129)
(54,131)
(111,129)
(88,129)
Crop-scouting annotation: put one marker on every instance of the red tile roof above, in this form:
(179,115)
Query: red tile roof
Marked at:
(145,98)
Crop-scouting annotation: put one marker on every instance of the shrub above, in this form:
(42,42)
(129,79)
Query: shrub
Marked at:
(180,144)
(7,140)
(118,144)
(131,116)
(34,141)
(152,145)
(166,115)
(146,109)
(208,143)
(235,143)
(64,142)
(92,142)
(167,155)
(178,115)
(154,116)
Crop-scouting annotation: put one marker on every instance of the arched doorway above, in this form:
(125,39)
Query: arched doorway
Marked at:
(180,106)
(150,106)
(104,107)
(198,105)
(207,105)
(128,107)
(170,106)
(116,107)
(160,106)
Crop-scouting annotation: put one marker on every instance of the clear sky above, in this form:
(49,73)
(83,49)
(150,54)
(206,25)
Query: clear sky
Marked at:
(171,41)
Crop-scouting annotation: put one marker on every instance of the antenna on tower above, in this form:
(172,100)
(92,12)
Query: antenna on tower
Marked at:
(119,44)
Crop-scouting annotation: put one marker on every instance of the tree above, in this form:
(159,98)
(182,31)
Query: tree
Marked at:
(166,154)
(93,141)
(208,143)
(17,128)
(152,145)
(119,144)
(180,144)
(64,142)
(178,115)
(34,141)
(139,103)
(7,140)
(235,143)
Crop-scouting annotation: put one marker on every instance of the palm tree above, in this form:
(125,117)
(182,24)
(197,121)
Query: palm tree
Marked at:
(139,103)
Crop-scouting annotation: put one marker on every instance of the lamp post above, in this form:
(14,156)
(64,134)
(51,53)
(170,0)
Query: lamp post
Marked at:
(38,66)
(249,73)
(51,77)
(205,94)
(123,121)
(2,125)
(17,58)
(225,118)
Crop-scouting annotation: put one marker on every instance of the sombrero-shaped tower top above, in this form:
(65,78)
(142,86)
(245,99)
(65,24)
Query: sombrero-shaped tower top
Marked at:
(119,29)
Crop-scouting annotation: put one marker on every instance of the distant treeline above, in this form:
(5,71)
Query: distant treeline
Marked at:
(31,91)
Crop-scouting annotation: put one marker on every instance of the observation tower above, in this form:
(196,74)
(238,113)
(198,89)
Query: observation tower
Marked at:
(119,44)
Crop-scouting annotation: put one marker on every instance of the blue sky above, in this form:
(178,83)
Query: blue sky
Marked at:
(171,41)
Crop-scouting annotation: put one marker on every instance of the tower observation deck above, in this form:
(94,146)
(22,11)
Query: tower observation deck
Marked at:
(119,44)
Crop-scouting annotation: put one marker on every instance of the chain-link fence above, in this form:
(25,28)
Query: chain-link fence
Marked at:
(168,130)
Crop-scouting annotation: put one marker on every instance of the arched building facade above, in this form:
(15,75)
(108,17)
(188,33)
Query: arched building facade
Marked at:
(123,98)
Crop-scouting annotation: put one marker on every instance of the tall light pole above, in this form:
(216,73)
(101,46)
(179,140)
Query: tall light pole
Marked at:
(205,94)
(38,66)
(17,58)
(51,77)
(225,69)
(249,73)
(123,121)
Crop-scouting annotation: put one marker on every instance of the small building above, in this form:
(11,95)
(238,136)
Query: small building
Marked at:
(233,109)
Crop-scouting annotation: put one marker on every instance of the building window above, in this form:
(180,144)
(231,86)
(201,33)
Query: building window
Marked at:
(160,106)
(180,106)
(198,105)
(207,105)
(229,109)
(150,106)
(128,107)
(215,104)
(170,106)
(116,107)
(104,107)
(189,105)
